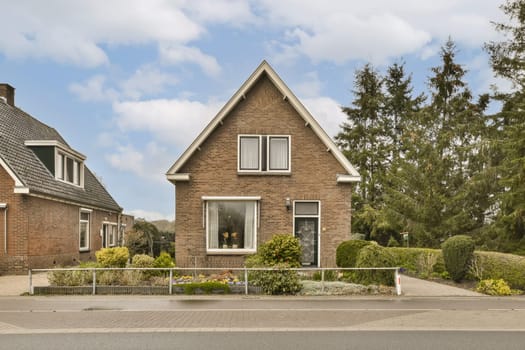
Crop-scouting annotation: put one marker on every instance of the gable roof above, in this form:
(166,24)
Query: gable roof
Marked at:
(264,68)
(29,173)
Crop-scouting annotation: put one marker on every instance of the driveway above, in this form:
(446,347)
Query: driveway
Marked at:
(412,287)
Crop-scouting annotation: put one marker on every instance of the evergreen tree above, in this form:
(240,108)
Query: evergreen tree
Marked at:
(362,137)
(508,61)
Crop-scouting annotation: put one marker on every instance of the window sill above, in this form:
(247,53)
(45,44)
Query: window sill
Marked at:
(84,250)
(228,251)
(265,173)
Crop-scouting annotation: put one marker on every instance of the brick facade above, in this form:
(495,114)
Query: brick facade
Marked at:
(213,171)
(44,233)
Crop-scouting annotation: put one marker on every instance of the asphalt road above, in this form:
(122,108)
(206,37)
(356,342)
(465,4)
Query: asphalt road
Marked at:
(362,340)
(116,322)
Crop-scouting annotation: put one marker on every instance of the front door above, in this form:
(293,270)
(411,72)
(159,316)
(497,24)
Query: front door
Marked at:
(306,229)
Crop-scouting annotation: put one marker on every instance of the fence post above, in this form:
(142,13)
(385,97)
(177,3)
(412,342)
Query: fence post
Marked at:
(94,281)
(398,282)
(245,281)
(322,280)
(171,281)
(30,282)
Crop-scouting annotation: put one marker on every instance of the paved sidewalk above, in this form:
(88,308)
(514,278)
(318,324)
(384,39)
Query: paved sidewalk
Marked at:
(413,287)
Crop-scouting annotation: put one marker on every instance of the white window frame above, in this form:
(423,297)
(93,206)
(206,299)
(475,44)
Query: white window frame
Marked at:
(266,154)
(61,160)
(88,230)
(110,230)
(318,216)
(289,169)
(231,251)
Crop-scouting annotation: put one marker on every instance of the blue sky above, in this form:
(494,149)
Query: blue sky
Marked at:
(130,83)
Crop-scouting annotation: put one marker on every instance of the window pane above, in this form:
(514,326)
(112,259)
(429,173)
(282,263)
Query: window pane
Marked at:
(59,167)
(69,169)
(306,208)
(278,153)
(249,153)
(231,224)
(75,172)
(84,231)
(84,216)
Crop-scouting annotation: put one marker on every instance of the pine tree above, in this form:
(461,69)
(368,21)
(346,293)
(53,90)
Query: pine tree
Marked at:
(508,61)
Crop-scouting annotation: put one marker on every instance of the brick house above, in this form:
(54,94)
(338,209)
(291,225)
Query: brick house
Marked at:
(53,210)
(262,166)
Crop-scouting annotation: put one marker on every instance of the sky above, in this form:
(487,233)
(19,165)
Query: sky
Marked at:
(131,83)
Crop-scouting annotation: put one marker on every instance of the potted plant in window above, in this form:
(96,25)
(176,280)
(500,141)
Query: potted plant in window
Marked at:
(235,242)
(225,236)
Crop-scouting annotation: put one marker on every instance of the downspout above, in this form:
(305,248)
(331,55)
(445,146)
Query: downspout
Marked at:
(4,206)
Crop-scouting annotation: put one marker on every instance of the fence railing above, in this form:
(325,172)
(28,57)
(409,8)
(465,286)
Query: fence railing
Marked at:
(194,271)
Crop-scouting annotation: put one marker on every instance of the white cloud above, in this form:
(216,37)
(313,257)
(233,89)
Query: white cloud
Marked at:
(72,32)
(175,122)
(375,30)
(174,54)
(310,87)
(146,80)
(150,215)
(150,162)
(327,112)
(93,90)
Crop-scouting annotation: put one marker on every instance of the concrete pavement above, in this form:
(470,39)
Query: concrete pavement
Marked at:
(413,287)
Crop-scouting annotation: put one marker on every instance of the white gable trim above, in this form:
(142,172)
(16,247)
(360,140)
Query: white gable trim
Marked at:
(19,185)
(310,121)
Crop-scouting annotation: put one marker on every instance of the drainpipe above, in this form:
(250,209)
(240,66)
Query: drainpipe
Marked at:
(4,206)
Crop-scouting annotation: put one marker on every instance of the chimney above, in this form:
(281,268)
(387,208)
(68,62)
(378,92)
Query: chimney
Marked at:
(7,93)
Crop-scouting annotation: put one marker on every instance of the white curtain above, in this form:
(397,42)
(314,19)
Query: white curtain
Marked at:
(213,224)
(249,225)
(278,153)
(249,153)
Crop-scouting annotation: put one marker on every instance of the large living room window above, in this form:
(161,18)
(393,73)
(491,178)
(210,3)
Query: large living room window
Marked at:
(85,215)
(231,224)
(264,153)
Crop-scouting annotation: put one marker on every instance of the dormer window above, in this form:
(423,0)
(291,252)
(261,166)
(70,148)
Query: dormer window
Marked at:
(68,169)
(63,162)
(264,154)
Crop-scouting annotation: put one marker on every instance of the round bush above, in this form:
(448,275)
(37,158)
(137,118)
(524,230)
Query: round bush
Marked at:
(347,252)
(164,260)
(457,254)
(493,287)
(281,249)
(375,256)
(112,257)
(142,260)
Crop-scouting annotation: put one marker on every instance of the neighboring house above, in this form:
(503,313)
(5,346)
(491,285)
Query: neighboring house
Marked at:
(262,166)
(53,210)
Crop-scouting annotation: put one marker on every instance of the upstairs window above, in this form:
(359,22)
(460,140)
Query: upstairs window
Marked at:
(69,169)
(264,153)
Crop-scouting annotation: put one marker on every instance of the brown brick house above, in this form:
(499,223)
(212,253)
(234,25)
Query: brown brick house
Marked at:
(262,166)
(53,210)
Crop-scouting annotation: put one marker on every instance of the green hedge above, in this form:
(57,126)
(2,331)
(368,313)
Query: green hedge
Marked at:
(204,288)
(508,267)
(375,256)
(419,261)
(347,252)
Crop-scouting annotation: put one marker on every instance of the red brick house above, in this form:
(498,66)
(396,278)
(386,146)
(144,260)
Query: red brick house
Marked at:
(53,210)
(262,166)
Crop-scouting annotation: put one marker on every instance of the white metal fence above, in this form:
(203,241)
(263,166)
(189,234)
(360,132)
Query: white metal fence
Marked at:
(195,271)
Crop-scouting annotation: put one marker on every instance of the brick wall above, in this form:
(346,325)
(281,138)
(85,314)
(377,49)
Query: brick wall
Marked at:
(43,233)
(213,172)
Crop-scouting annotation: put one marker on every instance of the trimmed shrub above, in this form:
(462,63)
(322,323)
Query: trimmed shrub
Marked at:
(112,257)
(204,288)
(278,282)
(347,252)
(281,252)
(509,267)
(164,260)
(422,262)
(142,260)
(375,256)
(493,287)
(457,254)
(281,249)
